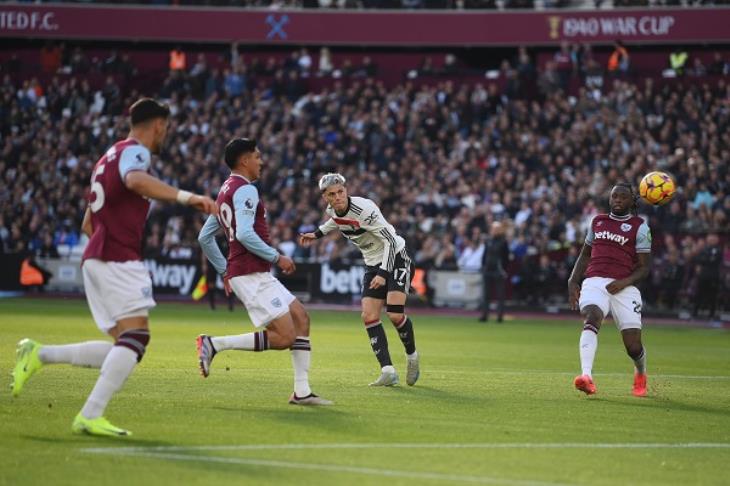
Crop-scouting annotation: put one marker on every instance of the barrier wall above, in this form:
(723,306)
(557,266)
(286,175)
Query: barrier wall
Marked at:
(337,283)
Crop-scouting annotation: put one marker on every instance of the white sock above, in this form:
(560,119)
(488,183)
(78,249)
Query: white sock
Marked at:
(641,363)
(412,356)
(89,354)
(252,341)
(388,369)
(301,357)
(588,347)
(117,367)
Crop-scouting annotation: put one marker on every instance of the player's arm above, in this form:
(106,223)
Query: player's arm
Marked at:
(86,227)
(133,165)
(576,276)
(643,266)
(579,269)
(306,239)
(245,202)
(210,247)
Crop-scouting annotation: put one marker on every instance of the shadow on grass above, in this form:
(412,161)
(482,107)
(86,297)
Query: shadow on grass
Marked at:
(92,441)
(663,403)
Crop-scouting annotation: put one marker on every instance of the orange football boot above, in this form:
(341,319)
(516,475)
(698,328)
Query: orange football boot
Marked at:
(585,384)
(639,385)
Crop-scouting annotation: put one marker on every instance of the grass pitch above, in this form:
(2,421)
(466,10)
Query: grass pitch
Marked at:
(494,405)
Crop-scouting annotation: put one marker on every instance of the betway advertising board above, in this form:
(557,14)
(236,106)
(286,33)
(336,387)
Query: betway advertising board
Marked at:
(169,276)
(331,282)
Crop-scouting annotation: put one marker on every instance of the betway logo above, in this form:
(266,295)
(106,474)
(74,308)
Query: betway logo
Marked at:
(341,281)
(171,275)
(607,235)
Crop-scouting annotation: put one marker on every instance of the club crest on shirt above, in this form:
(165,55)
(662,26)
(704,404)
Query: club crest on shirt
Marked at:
(625,227)
(600,223)
(276,302)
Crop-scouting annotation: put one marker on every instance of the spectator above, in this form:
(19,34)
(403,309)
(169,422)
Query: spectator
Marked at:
(564,64)
(494,271)
(470,259)
(719,66)
(698,68)
(619,61)
(50,58)
(678,60)
(671,278)
(709,266)
(325,67)
(178,59)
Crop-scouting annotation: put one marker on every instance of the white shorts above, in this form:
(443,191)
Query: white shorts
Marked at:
(117,290)
(263,295)
(625,307)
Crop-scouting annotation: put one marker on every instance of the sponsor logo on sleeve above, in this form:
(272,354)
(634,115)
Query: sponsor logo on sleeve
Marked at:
(372,218)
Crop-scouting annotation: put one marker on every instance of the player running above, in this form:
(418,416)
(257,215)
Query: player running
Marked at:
(617,254)
(247,272)
(117,284)
(388,271)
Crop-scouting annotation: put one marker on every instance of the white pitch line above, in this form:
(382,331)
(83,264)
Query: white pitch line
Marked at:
(337,468)
(476,445)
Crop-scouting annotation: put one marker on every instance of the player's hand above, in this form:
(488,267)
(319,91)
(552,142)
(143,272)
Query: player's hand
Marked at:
(573,295)
(204,204)
(286,264)
(616,286)
(377,282)
(227,285)
(306,239)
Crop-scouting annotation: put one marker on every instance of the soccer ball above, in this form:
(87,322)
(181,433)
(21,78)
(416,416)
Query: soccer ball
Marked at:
(657,188)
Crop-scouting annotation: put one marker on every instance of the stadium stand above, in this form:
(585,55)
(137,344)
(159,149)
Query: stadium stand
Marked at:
(522,147)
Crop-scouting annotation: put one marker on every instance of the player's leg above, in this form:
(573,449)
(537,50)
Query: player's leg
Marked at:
(250,290)
(373,301)
(636,351)
(31,355)
(301,357)
(131,336)
(626,311)
(594,305)
(371,310)
(501,286)
(395,308)
(399,283)
(486,297)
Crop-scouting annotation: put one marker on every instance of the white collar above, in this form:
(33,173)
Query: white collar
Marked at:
(233,174)
(619,218)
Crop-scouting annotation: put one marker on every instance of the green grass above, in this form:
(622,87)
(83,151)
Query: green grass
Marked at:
(480,384)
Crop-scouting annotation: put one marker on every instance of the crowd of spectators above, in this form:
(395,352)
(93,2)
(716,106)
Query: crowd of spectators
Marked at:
(443,161)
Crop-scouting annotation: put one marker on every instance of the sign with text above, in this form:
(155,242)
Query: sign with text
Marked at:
(442,28)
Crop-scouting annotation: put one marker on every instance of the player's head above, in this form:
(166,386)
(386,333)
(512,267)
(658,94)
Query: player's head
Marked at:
(242,155)
(148,116)
(334,191)
(623,199)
